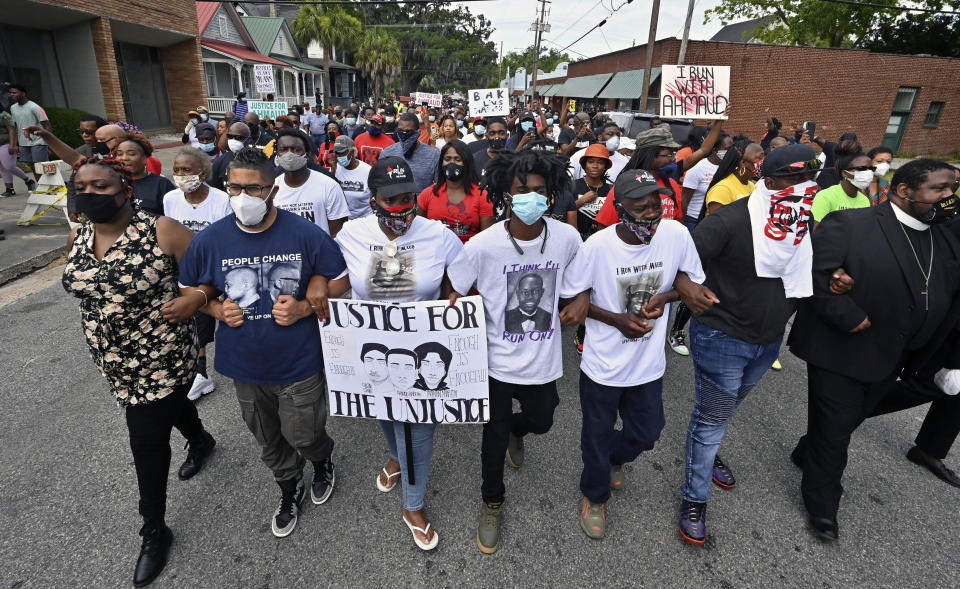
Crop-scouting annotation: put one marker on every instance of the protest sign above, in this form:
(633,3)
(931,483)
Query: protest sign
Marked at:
(573,105)
(263,73)
(422,362)
(694,91)
(489,102)
(267,109)
(430,99)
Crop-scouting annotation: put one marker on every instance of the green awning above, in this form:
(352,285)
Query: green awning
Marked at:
(582,87)
(295,63)
(542,89)
(628,84)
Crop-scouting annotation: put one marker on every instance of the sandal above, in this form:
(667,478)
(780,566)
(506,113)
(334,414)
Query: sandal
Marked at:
(425,531)
(390,485)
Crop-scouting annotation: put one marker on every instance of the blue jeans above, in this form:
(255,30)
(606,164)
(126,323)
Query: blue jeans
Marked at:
(422,438)
(601,446)
(725,370)
(690,222)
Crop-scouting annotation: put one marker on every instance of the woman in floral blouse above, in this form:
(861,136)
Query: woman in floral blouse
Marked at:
(122,266)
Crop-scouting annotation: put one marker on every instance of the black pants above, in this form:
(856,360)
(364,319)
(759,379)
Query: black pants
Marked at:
(149,426)
(537,404)
(942,423)
(836,406)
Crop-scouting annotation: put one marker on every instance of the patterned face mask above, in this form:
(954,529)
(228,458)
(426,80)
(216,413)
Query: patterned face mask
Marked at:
(643,229)
(397,219)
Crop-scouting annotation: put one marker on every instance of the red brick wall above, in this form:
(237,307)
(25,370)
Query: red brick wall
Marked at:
(107,64)
(841,89)
(175,15)
(186,84)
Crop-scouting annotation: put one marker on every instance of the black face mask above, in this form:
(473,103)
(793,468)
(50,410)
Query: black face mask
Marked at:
(497,143)
(942,210)
(99,208)
(101,148)
(453,171)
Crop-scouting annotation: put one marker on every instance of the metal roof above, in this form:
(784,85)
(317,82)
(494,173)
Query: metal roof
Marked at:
(296,63)
(582,87)
(264,31)
(628,84)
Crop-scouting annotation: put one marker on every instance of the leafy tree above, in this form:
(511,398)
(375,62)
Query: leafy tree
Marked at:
(329,26)
(379,57)
(812,22)
(918,34)
(549,60)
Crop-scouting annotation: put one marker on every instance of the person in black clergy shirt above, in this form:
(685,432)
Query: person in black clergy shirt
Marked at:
(907,271)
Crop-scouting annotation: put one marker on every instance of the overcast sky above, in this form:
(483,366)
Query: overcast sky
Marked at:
(512,19)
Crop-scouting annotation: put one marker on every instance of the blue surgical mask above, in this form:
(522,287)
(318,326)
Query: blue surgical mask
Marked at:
(431,118)
(459,123)
(343,161)
(550,121)
(529,207)
(526,125)
(351,121)
(613,143)
(204,116)
(479,130)
(208,147)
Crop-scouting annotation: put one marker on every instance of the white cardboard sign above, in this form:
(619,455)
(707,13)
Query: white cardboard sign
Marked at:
(489,102)
(694,91)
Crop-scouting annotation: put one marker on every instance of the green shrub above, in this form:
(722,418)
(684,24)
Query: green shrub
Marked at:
(65,122)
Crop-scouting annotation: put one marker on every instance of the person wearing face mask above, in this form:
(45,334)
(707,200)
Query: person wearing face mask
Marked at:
(148,188)
(371,144)
(734,178)
(323,153)
(477,132)
(240,106)
(757,260)
(623,363)
(905,264)
(609,137)
(206,135)
(259,136)
(456,199)
(194,118)
(270,346)
(315,196)
(148,357)
(856,172)
(351,126)
(523,314)
(494,142)
(524,133)
(395,255)
(353,176)
(390,120)
(238,137)
(697,180)
(422,158)
(881,157)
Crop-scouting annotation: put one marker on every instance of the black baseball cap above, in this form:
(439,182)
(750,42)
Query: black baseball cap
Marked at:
(391,176)
(636,184)
(790,160)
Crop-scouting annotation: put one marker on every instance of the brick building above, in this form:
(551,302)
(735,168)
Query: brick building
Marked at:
(138,62)
(910,103)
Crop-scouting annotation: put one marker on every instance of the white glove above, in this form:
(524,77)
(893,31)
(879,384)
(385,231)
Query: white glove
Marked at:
(186,130)
(948,381)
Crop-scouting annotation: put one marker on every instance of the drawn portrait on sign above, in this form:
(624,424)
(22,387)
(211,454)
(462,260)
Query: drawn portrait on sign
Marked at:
(402,367)
(530,301)
(435,362)
(376,378)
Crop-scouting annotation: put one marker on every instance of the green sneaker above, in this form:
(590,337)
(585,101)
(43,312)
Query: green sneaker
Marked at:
(593,519)
(617,474)
(515,451)
(488,528)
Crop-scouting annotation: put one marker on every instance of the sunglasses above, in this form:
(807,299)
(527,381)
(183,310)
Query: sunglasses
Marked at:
(85,132)
(237,137)
(862,169)
(810,165)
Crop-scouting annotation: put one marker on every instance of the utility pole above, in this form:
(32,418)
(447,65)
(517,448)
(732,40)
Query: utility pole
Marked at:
(273,9)
(649,55)
(539,27)
(500,64)
(686,33)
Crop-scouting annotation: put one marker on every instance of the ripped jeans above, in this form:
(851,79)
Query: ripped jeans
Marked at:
(725,370)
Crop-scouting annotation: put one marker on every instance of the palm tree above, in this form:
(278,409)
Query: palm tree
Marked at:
(379,57)
(329,26)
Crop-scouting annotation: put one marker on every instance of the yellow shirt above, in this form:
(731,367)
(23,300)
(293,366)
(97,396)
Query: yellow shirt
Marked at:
(728,190)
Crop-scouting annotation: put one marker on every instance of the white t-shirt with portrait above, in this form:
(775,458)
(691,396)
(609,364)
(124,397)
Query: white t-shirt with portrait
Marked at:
(318,200)
(413,274)
(622,277)
(520,297)
(698,178)
(196,217)
(355,189)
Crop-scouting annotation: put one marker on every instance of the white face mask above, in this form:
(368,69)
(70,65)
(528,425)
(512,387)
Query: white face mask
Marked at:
(861,178)
(187,183)
(613,143)
(249,210)
(235,145)
(882,169)
(291,162)
(721,153)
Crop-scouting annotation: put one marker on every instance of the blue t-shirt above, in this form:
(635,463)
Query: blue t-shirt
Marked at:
(423,163)
(253,269)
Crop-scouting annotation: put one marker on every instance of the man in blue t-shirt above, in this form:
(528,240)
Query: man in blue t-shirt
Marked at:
(268,342)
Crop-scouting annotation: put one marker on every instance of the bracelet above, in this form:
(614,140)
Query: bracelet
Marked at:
(206,301)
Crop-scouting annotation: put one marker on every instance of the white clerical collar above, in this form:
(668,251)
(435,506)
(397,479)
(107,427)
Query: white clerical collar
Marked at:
(908,220)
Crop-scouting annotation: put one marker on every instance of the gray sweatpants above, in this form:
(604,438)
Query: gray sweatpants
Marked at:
(288,421)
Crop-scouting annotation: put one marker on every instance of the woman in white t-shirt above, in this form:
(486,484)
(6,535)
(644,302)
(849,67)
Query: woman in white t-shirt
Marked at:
(196,206)
(397,256)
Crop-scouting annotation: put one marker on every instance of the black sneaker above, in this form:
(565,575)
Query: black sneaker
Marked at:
(196,456)
(285,517)
(8,193)
(157,539)
(324,478)
(31,184)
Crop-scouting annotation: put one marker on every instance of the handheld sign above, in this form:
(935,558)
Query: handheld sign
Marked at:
(263,73)
(422,362)
(694,91)
(489,102)
(573,105)
(267,109)
(430,99)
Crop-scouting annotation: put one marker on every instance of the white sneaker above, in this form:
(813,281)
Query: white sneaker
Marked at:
(201,386)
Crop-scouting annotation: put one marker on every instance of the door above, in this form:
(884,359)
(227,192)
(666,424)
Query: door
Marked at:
(143,86)
(897,124)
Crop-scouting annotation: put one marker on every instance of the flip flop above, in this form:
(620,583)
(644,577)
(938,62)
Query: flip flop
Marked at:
(390,485)
(420,544)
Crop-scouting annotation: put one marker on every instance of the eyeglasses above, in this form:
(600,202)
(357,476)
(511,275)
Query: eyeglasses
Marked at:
(251,189)
(85,132)
(237,137)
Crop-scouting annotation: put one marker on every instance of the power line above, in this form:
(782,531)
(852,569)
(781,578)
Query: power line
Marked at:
(888,7)
(598,25)
(331,2)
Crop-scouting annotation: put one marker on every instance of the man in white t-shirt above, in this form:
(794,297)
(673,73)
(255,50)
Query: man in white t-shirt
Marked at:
(520,268)
(308,193)
(352,175)
(630,269)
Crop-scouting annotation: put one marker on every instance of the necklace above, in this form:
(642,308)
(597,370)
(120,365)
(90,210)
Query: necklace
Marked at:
(926,275)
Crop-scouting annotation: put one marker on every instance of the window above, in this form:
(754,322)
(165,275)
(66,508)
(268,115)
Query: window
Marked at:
(224,26)
(211,73)
(904,100)
(933,114)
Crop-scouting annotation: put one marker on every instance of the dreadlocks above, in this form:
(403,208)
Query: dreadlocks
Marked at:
(501,170)
(121,169)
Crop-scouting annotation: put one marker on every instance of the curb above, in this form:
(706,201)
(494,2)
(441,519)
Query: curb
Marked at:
(26,266)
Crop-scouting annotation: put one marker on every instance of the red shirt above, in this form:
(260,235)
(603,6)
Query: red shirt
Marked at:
(369,148)
(463,218)
(671,208)
(154,166)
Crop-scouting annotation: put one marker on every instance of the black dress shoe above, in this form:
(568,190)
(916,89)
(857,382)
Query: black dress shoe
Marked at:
(825,528)
(153,553)
(797,455)
(196,456)
(917,456)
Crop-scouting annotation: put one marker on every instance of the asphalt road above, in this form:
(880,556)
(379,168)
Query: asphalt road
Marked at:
(68,498)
